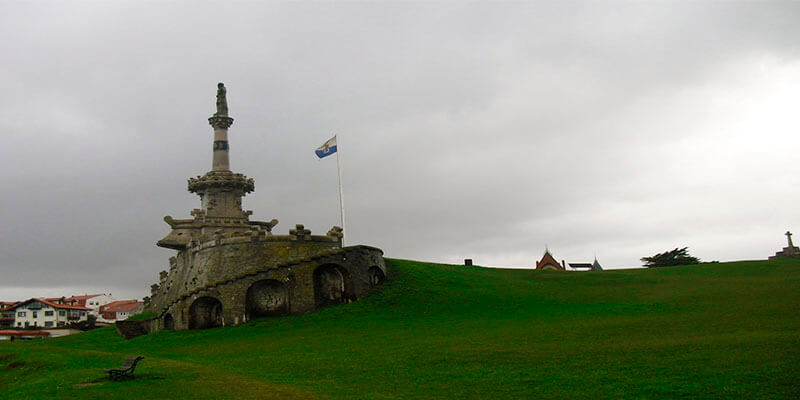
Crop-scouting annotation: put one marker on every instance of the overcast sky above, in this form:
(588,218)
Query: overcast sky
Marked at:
(466,130)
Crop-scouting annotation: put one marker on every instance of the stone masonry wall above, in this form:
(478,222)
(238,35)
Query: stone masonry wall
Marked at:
(220,276)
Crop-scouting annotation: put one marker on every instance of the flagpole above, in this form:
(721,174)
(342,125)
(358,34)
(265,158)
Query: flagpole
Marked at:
(341,196)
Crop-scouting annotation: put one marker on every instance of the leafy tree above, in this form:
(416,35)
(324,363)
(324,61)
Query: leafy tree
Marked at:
(670,258)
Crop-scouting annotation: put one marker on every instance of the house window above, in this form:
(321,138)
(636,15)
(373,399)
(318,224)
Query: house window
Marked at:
(83,313)
(19,323)
(61,323)
(48,324)
(27,324)
(21,314)
(35,314)
(48,313)
(62,313)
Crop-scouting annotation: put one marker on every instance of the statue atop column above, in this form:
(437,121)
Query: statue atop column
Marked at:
(222,101)
(789,237)
(220,119)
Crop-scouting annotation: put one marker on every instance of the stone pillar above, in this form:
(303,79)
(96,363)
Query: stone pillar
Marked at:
(220,161)
(220,121)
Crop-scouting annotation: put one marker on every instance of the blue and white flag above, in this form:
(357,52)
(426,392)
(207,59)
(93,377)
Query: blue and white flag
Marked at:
(327,148)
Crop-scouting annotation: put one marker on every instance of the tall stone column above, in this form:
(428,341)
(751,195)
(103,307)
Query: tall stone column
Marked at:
(221,160)
(220,121)
(220,189)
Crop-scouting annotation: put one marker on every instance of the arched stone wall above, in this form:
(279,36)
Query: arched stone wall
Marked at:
(169,322)
(266,298)
(332,285)
(376,276)
(340,277)
(205,312)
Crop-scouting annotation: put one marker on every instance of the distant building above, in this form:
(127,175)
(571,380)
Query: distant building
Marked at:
(92,301)
(6,314)
(595,266)
(549,263)
(119,310)
(45,314)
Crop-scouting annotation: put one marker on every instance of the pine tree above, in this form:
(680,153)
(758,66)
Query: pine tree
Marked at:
(670,258)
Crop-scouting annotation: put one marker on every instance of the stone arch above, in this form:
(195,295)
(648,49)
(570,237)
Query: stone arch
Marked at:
(376,276)
(332,285)
(549,267)
(205,312)
(266,298)
(169,322)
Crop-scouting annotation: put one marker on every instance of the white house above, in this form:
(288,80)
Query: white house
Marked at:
(92,301)
(45,314)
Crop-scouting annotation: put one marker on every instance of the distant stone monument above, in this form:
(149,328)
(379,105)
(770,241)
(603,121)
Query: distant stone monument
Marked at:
(790,251)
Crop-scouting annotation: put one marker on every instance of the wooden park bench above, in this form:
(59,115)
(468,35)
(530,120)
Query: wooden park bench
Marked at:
(125,371)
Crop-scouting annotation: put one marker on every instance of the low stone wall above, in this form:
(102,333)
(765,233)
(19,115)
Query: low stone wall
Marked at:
(132,329)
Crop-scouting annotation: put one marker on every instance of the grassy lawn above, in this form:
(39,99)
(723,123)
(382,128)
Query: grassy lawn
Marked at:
(728,330)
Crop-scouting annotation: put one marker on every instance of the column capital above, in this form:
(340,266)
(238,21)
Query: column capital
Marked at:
(220,121)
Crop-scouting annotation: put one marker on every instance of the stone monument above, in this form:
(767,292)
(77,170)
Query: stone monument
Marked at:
(228,269)
(790,251)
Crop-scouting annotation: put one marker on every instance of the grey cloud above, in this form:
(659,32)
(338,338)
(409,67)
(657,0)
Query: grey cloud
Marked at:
(480,130)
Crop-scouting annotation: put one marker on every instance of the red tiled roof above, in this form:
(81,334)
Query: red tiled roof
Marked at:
(24,333)
(85,297)
(51,304)
(82,299)
(120,306)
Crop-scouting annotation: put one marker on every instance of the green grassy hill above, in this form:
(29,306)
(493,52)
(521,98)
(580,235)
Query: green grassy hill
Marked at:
(438,331)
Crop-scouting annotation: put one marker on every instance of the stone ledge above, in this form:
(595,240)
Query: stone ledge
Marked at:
(222,180)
